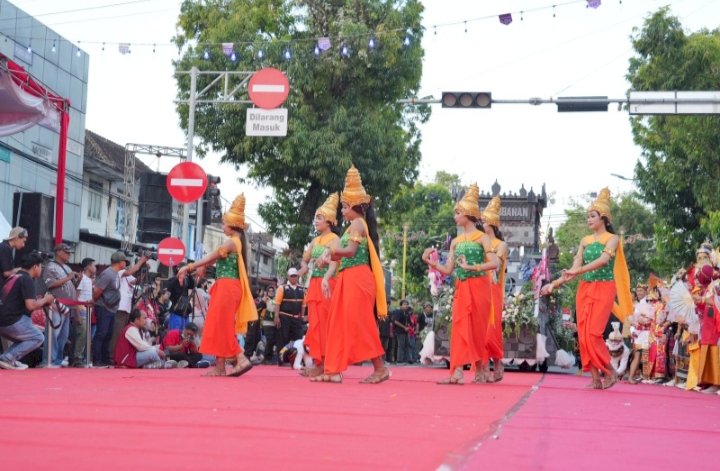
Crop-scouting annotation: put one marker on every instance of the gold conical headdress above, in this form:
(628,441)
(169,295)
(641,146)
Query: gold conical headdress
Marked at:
(469,205)
(329,209)
(602,203)
(354,193)
(491,215)
(235,216)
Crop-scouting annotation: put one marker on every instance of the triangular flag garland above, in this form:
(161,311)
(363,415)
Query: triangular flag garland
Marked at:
(344,46)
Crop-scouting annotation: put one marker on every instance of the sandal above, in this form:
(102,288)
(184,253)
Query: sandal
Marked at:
(453,379)
(498,373)
(594,384)
(311,372)
(241,368)
(325,378)
(610,382)
(376,378)
(481,377)
(215,372)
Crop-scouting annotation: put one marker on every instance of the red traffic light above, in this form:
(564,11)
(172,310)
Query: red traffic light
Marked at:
(466,100)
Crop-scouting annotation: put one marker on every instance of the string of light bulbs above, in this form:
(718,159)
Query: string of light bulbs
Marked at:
(347,44)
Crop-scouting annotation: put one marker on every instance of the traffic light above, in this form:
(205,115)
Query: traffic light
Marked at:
(212,207)
(466,99)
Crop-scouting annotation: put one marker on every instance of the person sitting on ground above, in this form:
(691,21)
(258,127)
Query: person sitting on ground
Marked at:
(132,351)
(18,301)
(183,347)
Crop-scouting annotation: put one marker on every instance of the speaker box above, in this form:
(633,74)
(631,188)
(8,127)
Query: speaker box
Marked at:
(154,209)
(37,214)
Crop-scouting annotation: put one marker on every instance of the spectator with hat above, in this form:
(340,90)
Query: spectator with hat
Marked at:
(14,241)
(106,295)
(19,300)
(61,282)
(289,306)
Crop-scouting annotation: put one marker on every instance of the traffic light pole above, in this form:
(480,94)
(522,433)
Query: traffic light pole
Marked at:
(190,137)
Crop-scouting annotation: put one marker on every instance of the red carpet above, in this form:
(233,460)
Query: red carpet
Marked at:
(269,419)
(563,426)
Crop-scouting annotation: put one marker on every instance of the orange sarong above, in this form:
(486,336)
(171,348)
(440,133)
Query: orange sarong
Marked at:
(318,317)
(352,334)
(593,305)
(495,331)
(470,316)
(219,337)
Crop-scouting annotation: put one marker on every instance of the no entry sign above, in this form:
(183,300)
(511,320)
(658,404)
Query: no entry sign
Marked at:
(268,88)
(171,251)
(187,182)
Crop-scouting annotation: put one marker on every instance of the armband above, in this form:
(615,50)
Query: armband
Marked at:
(355,237)
(190,267)
(222,252)
(609,252)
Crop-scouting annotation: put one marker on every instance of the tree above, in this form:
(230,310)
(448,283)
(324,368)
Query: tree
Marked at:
(427,209)
(630,218)
(680,165)
(342,110)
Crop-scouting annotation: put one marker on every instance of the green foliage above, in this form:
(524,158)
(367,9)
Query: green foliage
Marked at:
(427,210)
(341,110)
(680,166)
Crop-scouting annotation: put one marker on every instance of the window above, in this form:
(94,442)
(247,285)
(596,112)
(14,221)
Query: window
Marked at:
(120,217)
(95,200)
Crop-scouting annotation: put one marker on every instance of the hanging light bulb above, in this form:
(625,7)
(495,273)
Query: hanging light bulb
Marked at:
(287,54)
(153,48)
(206,54)
(103,46)
(78,53)
(406,41)
(316,51)
(53,47)
(233,57)
(29,49)
(345,51)
(371,43)
(260,54)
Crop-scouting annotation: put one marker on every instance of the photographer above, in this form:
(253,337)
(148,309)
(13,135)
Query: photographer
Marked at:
(61,282)
(181,306)
(107,301)
(18,301)
(183,346)
(15,241)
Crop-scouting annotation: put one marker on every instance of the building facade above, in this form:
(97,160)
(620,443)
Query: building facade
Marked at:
(29,159)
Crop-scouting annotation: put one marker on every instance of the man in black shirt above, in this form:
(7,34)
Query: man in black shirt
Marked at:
(177,320)
(400,319)
(15,241)
(18,301)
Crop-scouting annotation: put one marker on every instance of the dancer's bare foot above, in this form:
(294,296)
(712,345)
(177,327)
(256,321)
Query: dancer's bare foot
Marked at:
(328,378)
(456,377)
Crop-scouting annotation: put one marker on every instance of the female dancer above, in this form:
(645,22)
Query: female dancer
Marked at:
(231,303)
(353,333)
(601,261)
(322,281)
(473,254)
(491,225)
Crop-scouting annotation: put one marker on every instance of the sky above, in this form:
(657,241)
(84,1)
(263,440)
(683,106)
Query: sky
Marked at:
(569,50)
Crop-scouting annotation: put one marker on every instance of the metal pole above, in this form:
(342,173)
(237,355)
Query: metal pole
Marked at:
(88,344)
(50,334)
(185,236)
(405,236)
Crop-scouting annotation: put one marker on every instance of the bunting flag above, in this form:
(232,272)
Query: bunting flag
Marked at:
(506,18)
(124,48)
(228,49)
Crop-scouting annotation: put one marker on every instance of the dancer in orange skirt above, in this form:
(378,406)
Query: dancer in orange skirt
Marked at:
(491,226)
(231,304)
(471,256)
(322,282)
(601,262)
(359,291)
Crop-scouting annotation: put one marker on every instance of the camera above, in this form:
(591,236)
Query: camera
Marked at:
(147,253)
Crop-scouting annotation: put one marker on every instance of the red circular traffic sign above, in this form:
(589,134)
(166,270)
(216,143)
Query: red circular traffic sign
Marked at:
(171,251)
(186,182)
(268,88)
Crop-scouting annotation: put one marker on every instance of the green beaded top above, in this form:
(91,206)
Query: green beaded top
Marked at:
(474,255)
(316,253)
(361,257)
(227,267)
(591,253)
